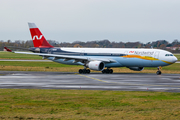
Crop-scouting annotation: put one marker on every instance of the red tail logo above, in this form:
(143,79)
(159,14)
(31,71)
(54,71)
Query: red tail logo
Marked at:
(37,37)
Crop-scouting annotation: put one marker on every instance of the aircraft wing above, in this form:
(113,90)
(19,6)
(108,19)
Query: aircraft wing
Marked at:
(67,57)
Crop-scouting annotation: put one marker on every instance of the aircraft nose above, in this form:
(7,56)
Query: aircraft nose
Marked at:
(174,59)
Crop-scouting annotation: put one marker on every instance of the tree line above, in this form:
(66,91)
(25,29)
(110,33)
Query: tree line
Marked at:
(159,44)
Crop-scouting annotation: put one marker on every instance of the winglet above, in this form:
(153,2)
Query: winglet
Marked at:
(6,49)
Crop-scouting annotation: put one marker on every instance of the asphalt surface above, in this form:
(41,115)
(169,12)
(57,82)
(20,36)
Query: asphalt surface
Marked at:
(93,81)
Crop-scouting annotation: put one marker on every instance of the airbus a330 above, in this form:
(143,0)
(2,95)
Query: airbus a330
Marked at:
(99,59)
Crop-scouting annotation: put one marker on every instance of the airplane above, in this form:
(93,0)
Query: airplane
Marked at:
(99,59)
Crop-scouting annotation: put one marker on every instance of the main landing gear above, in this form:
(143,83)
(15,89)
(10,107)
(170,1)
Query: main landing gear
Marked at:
(159,71)
(84,71)
(107,71)
(87,71)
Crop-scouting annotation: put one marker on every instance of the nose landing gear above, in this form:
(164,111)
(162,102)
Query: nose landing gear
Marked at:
(159,71)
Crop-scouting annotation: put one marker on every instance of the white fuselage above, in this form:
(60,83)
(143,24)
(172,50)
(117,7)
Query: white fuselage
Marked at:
(123,57)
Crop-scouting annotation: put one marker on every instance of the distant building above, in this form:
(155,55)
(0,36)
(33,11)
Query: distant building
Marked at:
(173,48)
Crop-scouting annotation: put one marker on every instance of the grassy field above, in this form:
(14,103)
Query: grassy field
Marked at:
(83,104)
(88,104)
(56,67)
(52,66)
(178,56)
(8,55)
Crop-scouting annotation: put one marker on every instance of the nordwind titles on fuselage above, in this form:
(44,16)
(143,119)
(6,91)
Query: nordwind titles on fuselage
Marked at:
(143,53)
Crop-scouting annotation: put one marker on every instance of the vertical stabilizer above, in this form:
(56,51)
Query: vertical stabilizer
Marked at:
(37,37)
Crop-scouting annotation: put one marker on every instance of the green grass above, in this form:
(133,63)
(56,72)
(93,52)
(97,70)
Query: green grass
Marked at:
(33,64)
(87,104)
(57,67)
(175,66)
(9,55)
(178,56)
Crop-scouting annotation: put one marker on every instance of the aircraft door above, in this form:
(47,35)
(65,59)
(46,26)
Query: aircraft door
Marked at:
(156,55)
(82,53)
(126,52)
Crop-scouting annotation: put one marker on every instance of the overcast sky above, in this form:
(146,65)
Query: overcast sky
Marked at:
(87,20)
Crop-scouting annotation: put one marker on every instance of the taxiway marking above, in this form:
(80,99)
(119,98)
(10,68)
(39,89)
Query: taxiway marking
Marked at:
(91,78)
(178,87)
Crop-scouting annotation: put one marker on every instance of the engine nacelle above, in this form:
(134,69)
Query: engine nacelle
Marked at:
(96,65)
(136,68)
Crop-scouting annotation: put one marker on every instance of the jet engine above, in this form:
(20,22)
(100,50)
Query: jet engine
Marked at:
(96,65)
(136,68)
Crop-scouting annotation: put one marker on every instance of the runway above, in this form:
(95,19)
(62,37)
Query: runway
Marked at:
(93,81)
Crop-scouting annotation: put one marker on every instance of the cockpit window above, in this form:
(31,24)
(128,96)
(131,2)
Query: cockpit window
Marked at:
(169,55)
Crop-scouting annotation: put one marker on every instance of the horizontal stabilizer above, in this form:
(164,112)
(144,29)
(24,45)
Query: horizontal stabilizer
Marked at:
(7,49)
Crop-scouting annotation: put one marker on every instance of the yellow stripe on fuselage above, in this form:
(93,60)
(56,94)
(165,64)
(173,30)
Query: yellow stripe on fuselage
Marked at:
(167,62)
(140,57)
(144,58)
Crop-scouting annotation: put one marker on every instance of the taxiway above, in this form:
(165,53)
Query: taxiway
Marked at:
(93,81)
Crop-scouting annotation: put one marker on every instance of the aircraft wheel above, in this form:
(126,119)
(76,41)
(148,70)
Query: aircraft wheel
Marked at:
(104,71)
(107,71)
(84,71)
(111,71)
(80,71)
(158,72)
(88,71)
